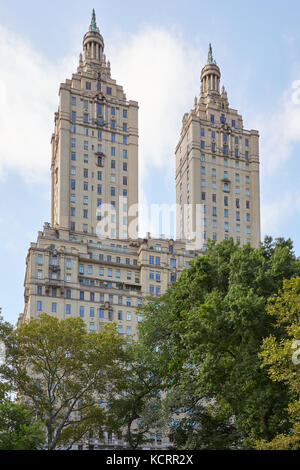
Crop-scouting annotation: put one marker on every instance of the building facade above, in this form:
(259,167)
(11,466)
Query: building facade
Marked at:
(217,169)
(94,147)
(74,269)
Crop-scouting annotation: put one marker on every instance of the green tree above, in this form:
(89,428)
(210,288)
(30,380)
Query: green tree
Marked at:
(208,330)
(60,373)
(18,429)
(281,358)
(137,408)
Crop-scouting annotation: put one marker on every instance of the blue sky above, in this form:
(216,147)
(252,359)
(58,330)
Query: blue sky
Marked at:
(157,50)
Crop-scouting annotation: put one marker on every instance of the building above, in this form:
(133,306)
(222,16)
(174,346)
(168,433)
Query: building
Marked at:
(217,167)
(74,269)
(94,146)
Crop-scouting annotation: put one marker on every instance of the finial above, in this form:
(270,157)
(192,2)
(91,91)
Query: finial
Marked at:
(93,25)
(210,59)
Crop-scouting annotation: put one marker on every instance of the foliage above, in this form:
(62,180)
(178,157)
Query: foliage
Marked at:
(280,357)
(138,408)
(18,429)
(60,371)
(208,330)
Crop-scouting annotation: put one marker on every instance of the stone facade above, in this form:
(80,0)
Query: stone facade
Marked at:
(217,166)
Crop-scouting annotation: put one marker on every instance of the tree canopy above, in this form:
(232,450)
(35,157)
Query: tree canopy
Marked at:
(207,332)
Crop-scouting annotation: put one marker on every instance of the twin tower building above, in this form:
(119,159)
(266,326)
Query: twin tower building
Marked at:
(89,262)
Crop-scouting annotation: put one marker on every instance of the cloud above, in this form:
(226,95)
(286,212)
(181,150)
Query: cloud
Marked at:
(159,70)
(28,99)
(280,130)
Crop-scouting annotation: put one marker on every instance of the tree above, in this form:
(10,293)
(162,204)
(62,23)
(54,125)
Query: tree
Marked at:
(280,355)
(18,429)
(208,330)
(137,408)
(60,373)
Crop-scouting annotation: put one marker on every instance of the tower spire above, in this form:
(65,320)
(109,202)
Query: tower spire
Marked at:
(93,25)
(210,58)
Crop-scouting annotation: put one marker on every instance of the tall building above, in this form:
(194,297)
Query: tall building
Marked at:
(94,147)
(217,167)
(72,269)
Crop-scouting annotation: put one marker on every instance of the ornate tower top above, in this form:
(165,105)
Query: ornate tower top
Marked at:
(93,25)
(93,44)
(210,76)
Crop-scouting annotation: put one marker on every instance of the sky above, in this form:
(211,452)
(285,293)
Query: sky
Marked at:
(157,50)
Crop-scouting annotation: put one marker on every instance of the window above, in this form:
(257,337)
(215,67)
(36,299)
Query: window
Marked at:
(88,85)
(101,313)
(39,290)
(157,261)
(233,123)
(39,306)
(128,316)
(73,156)
(173,263)
(68,309)
(68,293)
(85,118)
(73,101)
(54,307)
(92,312)
(81,311)
(128,330)
(212,118)
(111,315)
(125,153)
(124,127)
(108,90)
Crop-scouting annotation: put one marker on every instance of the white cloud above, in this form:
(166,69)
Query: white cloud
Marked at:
(159,70)
(28,99)
(280,131)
